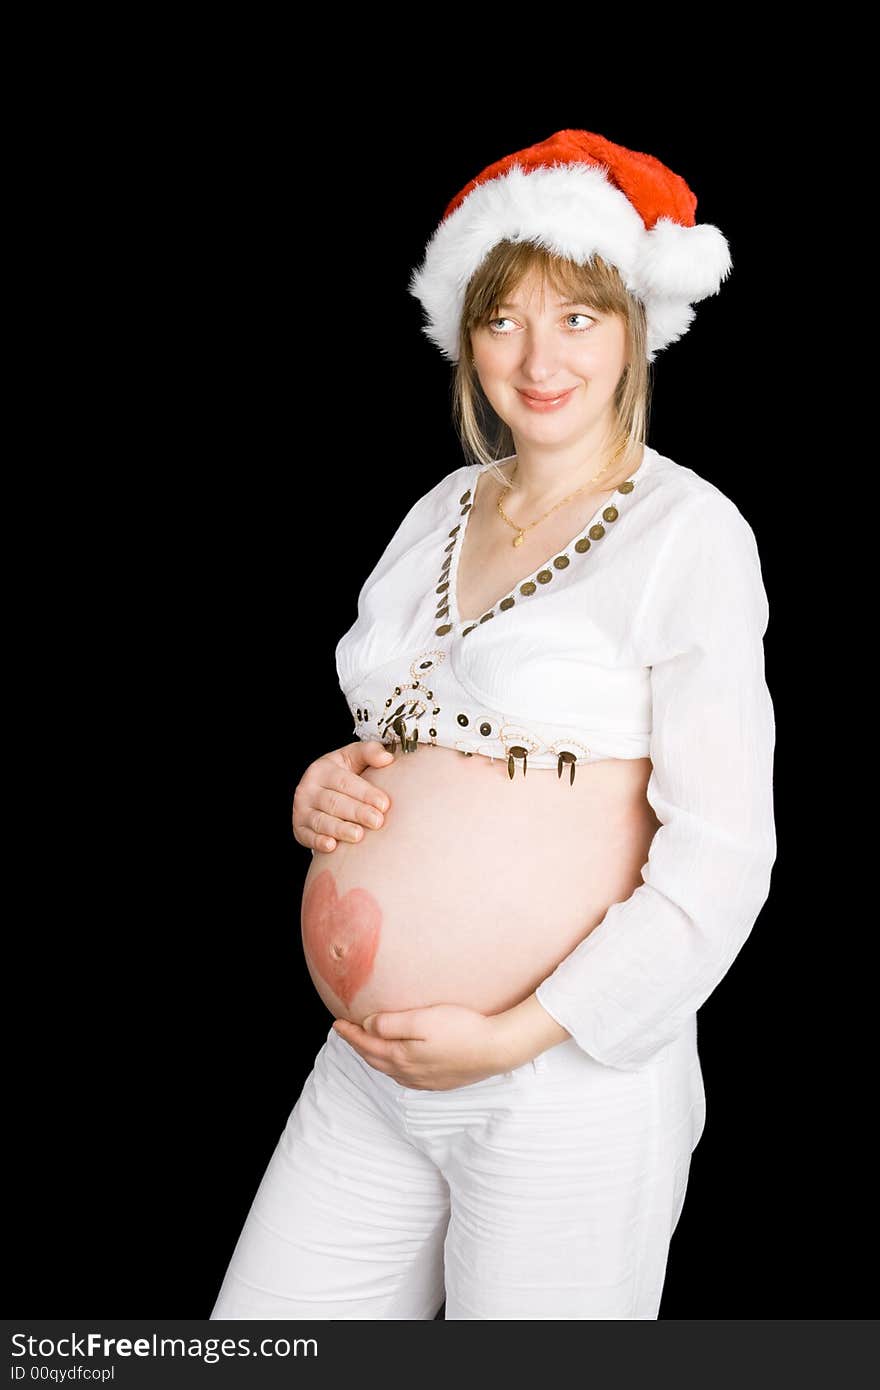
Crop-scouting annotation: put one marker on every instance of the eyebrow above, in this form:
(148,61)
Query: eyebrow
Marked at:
(560,304)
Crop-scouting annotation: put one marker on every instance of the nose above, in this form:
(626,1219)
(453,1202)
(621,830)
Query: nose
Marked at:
(539,357)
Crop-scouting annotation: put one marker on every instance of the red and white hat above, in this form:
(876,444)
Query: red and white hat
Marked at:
(577,194)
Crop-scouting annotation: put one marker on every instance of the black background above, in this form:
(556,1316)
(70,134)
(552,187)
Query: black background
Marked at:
(243,409)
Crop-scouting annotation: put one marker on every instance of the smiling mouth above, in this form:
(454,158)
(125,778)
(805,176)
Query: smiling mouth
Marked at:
(550,396)
(543,404)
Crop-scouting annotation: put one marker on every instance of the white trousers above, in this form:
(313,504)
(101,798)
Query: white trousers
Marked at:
(547,1192)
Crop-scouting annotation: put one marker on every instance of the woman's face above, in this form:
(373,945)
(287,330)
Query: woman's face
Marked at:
(537,344)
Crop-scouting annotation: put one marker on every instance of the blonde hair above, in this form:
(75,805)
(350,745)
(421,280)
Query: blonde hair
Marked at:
(485,438)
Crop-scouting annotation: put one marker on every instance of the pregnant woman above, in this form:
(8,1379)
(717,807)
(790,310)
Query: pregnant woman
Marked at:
(556,678)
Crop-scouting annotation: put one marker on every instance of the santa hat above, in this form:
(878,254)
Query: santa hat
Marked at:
(578,194)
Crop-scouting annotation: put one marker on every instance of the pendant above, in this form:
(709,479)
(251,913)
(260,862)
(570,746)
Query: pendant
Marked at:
(518,540)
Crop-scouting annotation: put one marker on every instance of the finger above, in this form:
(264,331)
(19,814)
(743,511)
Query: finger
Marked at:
(312,836)
(331,786)
(347,782)
(378,1054)
(368,752)
(406,1023)
(335,829)
(310,839)
(311,822)
(353,810)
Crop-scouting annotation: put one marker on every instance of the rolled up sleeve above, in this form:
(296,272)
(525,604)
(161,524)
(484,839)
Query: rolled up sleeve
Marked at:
(630,986)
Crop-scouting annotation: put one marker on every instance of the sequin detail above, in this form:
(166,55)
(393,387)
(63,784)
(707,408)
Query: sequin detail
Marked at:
(409,710)
(531,584)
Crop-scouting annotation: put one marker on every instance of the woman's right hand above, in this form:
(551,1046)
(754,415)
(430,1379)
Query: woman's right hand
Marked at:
(332,801)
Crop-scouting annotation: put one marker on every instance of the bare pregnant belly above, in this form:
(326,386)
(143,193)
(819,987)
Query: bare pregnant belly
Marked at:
(476,886)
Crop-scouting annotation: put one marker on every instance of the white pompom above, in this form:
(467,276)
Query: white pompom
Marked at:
(686,263)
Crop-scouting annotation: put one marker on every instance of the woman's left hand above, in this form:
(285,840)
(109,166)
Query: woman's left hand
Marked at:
(431,1049)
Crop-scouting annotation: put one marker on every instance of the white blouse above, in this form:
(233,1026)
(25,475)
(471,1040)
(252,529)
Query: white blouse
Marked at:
(641,638)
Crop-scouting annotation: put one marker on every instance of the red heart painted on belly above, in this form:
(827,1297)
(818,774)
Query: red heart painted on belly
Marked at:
(340,935)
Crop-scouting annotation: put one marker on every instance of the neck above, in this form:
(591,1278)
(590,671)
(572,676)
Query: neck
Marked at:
(545,475)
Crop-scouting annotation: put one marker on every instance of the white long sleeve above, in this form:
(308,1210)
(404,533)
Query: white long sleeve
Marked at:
(630,986)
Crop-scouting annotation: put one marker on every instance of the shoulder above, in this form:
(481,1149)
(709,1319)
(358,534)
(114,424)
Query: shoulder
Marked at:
(692,508)
(706,570)
(452,485)
(435,502)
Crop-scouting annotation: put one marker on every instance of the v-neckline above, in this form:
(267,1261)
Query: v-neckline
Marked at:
(449,609)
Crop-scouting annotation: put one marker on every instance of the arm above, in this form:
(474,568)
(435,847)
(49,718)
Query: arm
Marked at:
(522,1032)
(629,987)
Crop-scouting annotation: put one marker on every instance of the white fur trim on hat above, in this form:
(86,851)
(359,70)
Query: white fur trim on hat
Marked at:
(573,210)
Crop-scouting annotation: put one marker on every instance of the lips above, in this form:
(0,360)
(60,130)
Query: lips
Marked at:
(546,396)
(540,401)
(545,405)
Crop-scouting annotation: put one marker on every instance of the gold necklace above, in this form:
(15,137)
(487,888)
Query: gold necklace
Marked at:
(521,530)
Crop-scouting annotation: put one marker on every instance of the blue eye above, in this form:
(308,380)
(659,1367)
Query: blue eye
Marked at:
(500,333)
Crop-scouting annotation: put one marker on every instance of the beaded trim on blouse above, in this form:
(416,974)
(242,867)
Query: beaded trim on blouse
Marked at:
(409,701)
(526,587)
(517,741)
